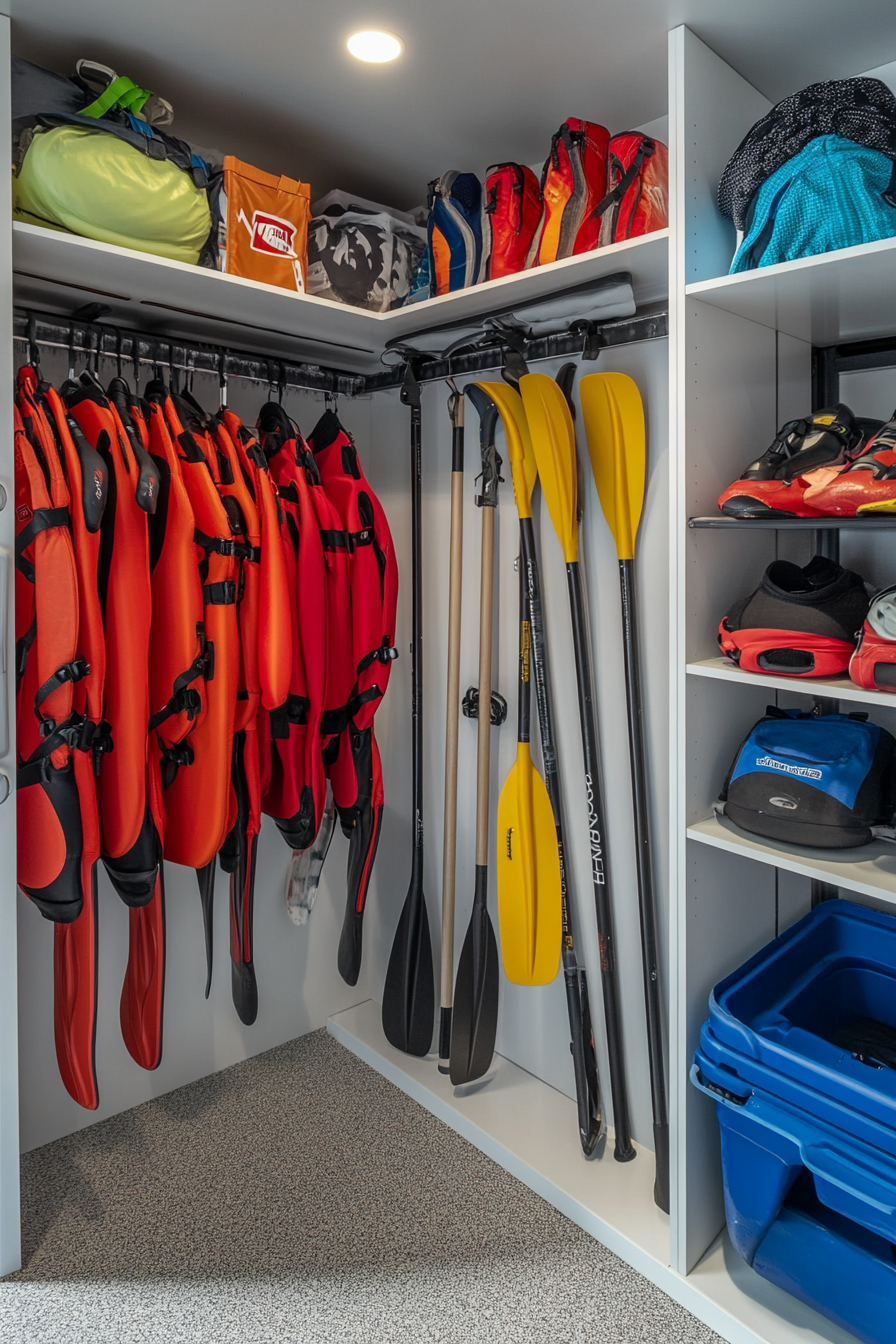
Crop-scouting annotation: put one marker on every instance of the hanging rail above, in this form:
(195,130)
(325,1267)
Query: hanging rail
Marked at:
(84,335)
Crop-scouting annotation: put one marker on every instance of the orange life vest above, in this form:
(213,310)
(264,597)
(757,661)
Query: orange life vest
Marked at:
(197,781)
(74,943)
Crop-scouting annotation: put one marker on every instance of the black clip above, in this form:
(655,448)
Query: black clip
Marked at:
(497,709)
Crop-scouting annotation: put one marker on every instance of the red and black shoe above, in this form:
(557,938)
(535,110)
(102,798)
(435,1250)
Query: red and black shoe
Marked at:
(873,665)
(798,622)
(868,483)
(775,485)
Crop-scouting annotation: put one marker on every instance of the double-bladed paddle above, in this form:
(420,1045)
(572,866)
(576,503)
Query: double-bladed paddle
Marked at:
(475,1013)
(516,429)
(614,425)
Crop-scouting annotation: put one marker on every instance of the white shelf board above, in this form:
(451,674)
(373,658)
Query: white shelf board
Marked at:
(646,259)
(837,688)
(869,870)
(61,272)
(530,1130)
(838,296)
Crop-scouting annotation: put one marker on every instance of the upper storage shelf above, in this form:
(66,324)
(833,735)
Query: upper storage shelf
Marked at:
(848,295)
(60,273)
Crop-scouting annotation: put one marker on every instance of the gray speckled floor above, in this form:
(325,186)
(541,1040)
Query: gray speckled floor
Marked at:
(301,1197)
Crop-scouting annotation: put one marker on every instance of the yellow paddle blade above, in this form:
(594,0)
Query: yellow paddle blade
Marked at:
(519,444)
(614,425)
(879,506)
(554,444)
(529,911)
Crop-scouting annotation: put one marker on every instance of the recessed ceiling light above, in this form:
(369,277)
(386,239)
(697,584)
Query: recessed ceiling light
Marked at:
(374,47)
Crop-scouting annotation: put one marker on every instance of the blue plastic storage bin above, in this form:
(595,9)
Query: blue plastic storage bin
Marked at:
(808,1126)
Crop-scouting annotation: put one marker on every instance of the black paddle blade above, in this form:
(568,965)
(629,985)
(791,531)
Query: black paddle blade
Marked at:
(474,1020)
(409,995)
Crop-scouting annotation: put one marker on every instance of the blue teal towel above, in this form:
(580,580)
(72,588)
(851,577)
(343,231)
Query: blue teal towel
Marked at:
(834,193)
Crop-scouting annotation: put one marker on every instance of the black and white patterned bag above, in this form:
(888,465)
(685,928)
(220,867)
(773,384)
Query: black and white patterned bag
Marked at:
(362,254)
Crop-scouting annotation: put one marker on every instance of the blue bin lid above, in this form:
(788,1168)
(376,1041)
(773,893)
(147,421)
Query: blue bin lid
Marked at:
(783,1008)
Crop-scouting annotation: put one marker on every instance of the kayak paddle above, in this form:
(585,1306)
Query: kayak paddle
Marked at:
(475,1013)
(528,863)
(409,991)
(614,425)
(449,842)
(588,1103)
(554,444)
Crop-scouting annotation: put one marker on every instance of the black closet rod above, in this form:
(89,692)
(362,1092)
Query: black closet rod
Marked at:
(84,335)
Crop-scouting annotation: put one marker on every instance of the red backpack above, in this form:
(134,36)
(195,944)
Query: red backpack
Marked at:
(512,214)
(573,184)
(638,199)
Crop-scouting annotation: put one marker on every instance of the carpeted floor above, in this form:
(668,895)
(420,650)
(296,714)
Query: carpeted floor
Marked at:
(301,1197)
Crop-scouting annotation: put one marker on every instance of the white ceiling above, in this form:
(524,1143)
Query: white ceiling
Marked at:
(270,80)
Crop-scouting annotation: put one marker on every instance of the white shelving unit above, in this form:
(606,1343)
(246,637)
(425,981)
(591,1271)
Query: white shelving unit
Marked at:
(737,363)
(741,355)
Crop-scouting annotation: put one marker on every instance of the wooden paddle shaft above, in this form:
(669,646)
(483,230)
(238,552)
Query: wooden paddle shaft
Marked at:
(486,605)
(449,853)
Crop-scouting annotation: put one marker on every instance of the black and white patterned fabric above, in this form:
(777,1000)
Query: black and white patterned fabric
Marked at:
(863,110)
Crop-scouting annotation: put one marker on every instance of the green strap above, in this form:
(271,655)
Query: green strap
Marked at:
(123,93)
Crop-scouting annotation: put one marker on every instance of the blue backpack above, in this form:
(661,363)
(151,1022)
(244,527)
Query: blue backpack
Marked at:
(834,193)
(825,780)
(454,232)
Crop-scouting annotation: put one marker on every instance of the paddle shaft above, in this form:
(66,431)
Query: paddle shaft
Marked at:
(417,643)
(646,899)
(449,851)
(524,696)
(582,1045)
(486,604)
(624,1151)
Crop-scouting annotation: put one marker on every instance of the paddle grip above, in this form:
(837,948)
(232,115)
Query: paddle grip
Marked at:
(623,1151)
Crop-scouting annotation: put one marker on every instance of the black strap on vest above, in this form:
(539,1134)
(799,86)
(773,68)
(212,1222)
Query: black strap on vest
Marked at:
(293,710)
(42,520)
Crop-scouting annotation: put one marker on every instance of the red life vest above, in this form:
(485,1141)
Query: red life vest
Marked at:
(240,845)
(354,768)
(294,787)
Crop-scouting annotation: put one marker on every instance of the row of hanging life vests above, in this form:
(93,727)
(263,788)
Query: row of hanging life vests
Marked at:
(205,624)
